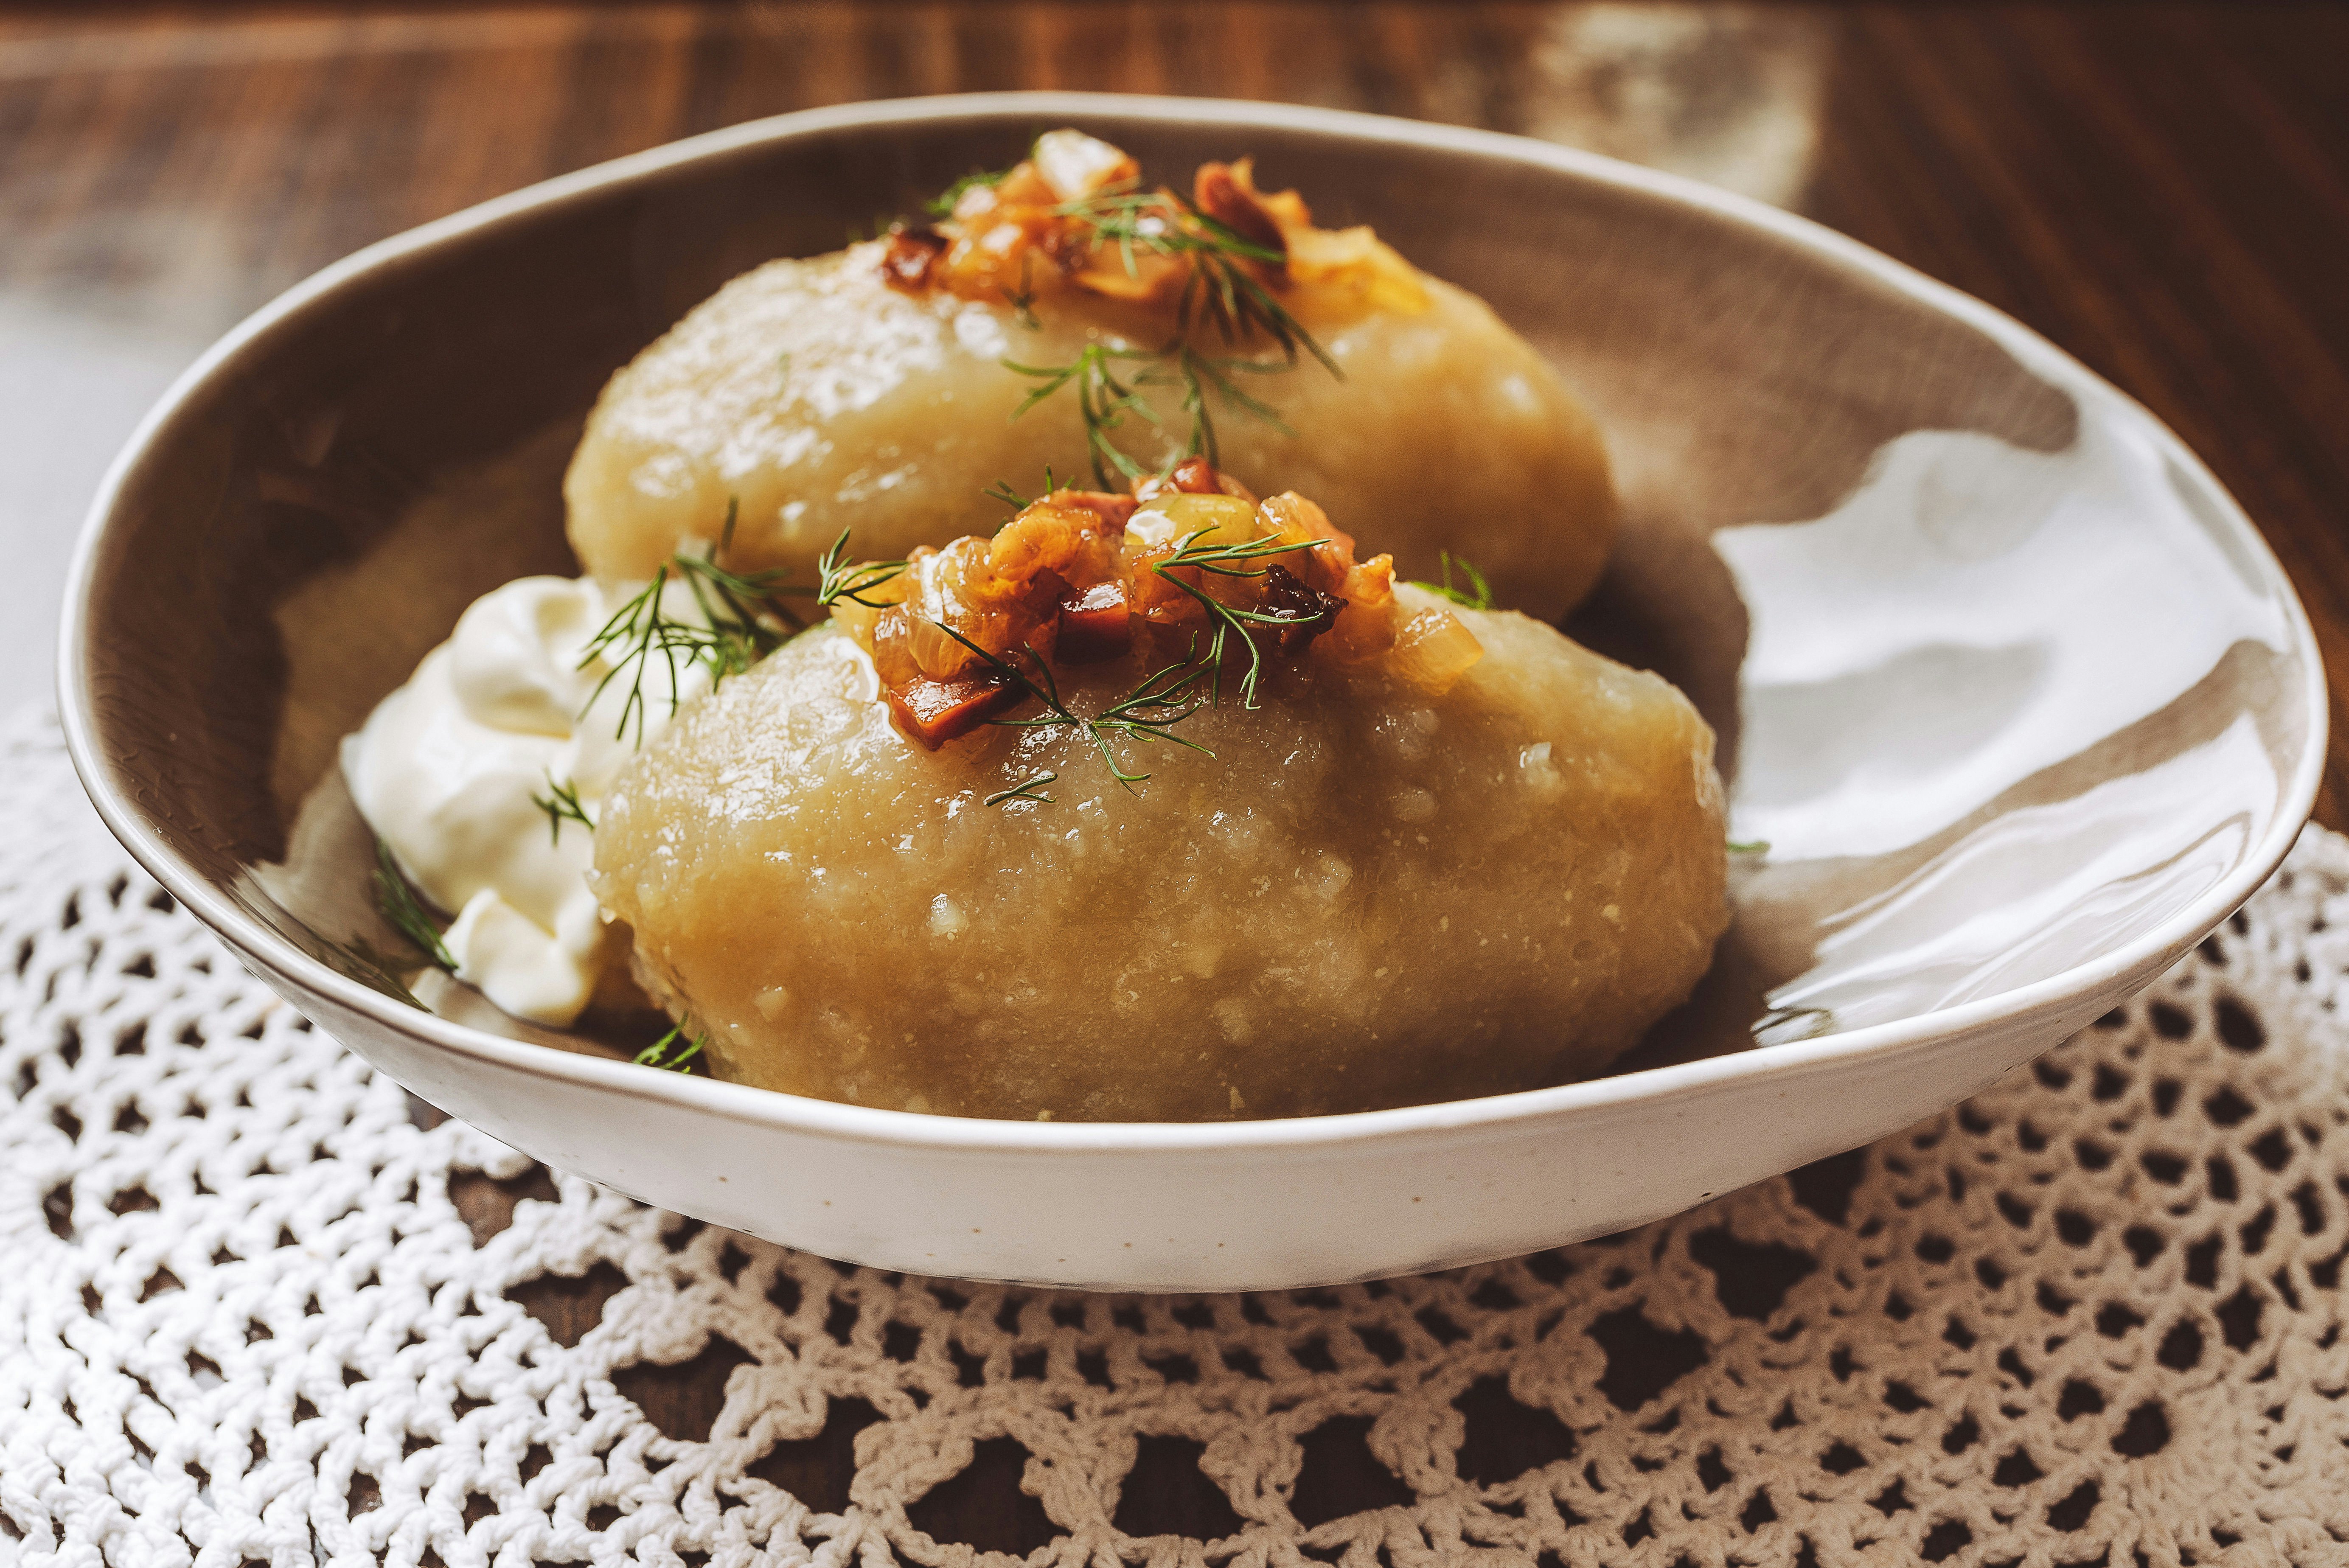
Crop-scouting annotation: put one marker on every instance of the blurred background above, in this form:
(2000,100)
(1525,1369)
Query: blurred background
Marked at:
(2162,188)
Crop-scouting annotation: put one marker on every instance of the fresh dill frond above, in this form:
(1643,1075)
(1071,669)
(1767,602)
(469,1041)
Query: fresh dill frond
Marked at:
(1032,789)
(560,804)
(1749,847)
(942,204)
(1231,561)
(1103,401)
(743,618)
(636,634)
(371,967)
(1220,297)
(1476,595)
(1148,713)
(397,904)
(1162,221)
(1198,374)
(656,1054)
(839,578)
(1023,300)
(1002,492)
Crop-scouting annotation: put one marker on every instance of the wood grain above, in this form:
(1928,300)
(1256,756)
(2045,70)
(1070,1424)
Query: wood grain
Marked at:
(2163,190)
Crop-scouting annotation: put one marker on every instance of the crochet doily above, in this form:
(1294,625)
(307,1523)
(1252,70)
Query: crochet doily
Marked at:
(2092,1317)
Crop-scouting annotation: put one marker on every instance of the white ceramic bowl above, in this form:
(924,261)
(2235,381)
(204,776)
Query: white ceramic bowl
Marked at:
(2018,695)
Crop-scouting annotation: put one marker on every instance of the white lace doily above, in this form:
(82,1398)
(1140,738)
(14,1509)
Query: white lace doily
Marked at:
(2092,1317)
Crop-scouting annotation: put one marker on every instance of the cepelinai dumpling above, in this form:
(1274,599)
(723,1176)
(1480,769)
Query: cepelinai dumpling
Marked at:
(1168,809)
(885,385)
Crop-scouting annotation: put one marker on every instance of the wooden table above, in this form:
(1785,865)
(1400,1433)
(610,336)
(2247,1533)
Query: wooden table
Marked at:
(2161,188)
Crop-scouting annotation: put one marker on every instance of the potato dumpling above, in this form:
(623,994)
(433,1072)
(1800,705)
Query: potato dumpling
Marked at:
(1446,852)
(874,386)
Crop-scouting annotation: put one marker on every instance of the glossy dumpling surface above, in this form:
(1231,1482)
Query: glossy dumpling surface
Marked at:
(1367,896)
(811,396)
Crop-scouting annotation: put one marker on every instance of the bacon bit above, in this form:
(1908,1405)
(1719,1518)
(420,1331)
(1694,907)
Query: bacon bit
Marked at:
(1230,200)
(1305,612)
(1068,581)
(934,712)
(1018,237)
(1095,624)
(911,255)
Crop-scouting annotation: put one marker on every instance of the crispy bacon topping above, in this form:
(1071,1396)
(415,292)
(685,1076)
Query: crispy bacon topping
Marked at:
(1234,206)
(1301,612)
(1075,215)
(1188,571)
(1094,624)
(934,712)
(910,257)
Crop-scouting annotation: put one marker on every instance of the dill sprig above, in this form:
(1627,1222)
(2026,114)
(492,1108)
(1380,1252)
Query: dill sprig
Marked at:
(1198,374)
(1148,714)
(1030,790)
(1002,490)
(642,632)
(371,967)
(1221,295)
(1103,401)
(1233,561)
(839,578)
(560,804)
(397,901)
(1478,593)
(1749,847)
(388,973)
(942,204)
(656,1054)
(1165,696)
(1023,300)
(742,619)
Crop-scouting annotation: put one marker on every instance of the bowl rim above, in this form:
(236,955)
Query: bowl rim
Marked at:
(270,950)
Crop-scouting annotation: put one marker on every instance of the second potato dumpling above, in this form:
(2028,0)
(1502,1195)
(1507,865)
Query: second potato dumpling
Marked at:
(1062,313)
(1169,810)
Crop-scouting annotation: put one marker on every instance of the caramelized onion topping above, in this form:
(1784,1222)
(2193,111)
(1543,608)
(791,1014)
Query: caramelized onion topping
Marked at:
(1075,215)
(1190,563)
(910,256)
(1234,206)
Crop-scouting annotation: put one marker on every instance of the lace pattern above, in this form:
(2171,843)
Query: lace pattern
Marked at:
(2092,1315)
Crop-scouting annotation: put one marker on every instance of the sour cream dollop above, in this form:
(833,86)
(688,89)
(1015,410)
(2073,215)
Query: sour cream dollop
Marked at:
(449,771)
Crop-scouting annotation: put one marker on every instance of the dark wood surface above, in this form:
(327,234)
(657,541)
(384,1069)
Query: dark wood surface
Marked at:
(2161,188)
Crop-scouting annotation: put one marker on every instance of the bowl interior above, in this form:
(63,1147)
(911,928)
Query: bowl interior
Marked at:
(1998,672)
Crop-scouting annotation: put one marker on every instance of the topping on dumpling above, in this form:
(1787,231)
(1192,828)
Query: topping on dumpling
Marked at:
(1191,573)
(1163,805)
(1075,215)
(1071,312)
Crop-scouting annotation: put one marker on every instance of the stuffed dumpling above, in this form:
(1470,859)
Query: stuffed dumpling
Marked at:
(1062,314)
(1168,808)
